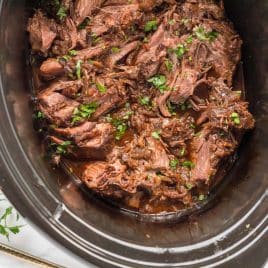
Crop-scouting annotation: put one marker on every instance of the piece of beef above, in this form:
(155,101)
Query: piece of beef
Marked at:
(42,31)
(84,9)
(90,52)
(106,20)
(149,58)
(56,107)
(113,58)
(105,178)
(208,150)
(67,38)
(224,106)
(90,140)
(176,132)
(51,68)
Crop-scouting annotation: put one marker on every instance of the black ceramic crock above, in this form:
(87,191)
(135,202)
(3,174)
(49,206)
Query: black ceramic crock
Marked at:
(230,234)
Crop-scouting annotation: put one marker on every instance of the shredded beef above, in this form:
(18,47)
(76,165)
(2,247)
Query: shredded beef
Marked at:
(139,94)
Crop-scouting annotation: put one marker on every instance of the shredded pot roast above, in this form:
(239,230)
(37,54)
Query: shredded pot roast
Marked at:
(139,96)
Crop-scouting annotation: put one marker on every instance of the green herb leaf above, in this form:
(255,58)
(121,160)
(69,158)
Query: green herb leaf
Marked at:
(8,212)
(188,164)
(171,22)
(235,118)
(84,111)
(156,135)
(101,88)
(4,228)
(78,68)
(62,148)
(150,26)
(72,52)
(201,197)
(180,50)
(182,153)
(14,229)
(121,128)
(145,101)
(115,49)
(173,163)
(95,39)
(202,35)
(61,13)
(168,65)
(39,115)
(159,81)
(189,186)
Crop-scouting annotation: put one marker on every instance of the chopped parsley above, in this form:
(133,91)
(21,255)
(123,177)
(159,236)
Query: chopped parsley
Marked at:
(78,68)
(171,22)
(235,118)
(202,197)
(189,186)
(180,50)
(150,26)
(188,164)
(173,163)
(72,52)
(171,108)
(61,13)
(156,135)
(39,115)
(182,152)
(159,81)
(115,49)
(62,148)
(84,111)
(95,38)
(120,126)
(101,88)
(202,35)
(169,65)
(145,101)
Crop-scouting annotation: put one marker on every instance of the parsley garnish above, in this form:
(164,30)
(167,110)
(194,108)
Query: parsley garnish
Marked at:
(150,26)
(159,81)
(180,50)
(156,135)
(189,186)
(62,148)
(173,163)
(115,49)
(145,101)
(202,197)
(39,115)
(171,22)
(101,88)
(202,35)
(72,52)
(61,13)
(95,38)
(168,65)
(84,111)
(188,164)
(121,128)
(78,68)
(235,118)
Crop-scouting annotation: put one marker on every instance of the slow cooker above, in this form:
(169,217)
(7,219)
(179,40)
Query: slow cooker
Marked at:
(231,233)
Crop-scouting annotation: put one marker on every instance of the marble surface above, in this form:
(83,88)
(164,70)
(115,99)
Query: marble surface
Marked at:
(36,243)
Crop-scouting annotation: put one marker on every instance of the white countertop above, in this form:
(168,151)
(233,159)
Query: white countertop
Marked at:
(34,242)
